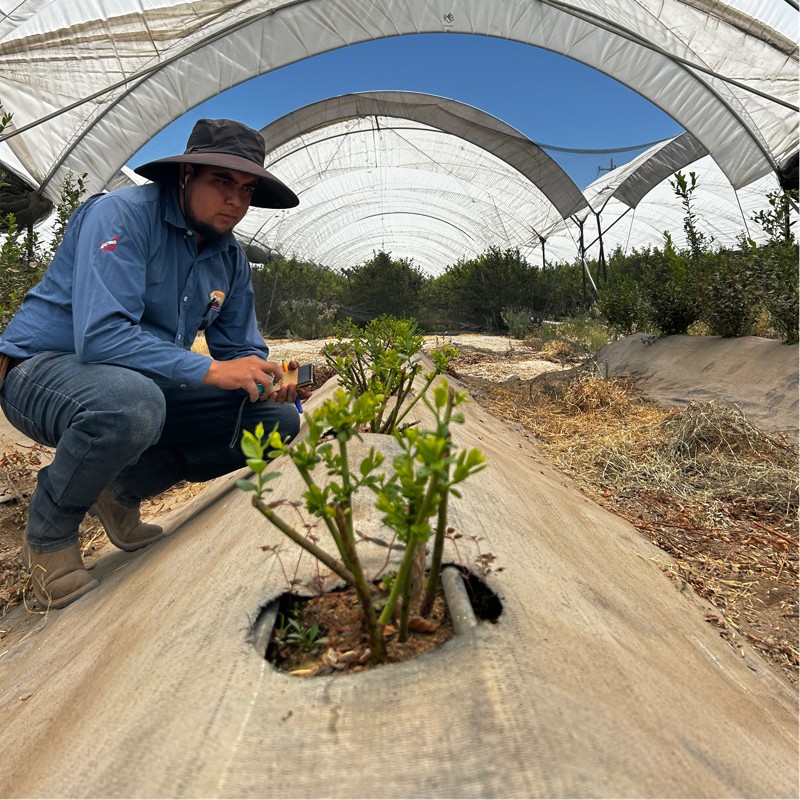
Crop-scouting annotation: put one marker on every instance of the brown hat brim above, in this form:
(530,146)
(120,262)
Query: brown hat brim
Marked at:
(270,191)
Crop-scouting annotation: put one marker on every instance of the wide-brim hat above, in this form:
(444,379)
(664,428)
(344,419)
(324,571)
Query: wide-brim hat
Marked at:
(226,143)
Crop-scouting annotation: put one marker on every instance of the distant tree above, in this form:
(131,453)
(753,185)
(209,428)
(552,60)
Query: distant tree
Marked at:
(474,292)
(561,291)
(621,299)
(775,263)
(23,260)
(284,286)
(384,286)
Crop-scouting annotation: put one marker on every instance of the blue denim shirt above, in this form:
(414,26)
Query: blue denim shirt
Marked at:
(129,287)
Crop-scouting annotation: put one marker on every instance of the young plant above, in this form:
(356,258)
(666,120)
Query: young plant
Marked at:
(777,222)
(332,501)
(289,630)
(383,358)
(684,189)
(425,472)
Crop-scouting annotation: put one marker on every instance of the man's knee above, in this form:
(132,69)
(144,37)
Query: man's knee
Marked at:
(135,408)
(284,415)
(288,421)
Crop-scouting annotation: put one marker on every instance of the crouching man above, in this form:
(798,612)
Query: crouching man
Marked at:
(97,362)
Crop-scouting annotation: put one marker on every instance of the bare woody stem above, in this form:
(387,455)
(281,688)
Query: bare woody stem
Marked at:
(304,542)
(344,522)
(359,582)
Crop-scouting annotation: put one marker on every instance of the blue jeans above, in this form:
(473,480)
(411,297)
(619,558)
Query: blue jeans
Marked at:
(114,427)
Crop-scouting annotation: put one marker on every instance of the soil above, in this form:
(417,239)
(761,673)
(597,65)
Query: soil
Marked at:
(746,566)
(334,639)
(324,634)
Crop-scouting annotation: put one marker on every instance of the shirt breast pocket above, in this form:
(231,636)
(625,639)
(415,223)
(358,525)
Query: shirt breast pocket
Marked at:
(215,300)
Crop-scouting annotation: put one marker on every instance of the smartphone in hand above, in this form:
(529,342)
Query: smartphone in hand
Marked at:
(303,376)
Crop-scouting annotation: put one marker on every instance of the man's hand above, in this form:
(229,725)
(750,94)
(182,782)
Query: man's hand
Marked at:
(293,394)
(250,373)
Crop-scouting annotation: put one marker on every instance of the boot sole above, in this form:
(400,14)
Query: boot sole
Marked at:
(67,599)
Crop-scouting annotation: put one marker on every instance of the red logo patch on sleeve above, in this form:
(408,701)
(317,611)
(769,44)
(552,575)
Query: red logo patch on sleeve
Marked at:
(110,244)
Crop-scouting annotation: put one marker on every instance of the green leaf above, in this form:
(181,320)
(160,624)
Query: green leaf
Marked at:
(258,465)
(251,446)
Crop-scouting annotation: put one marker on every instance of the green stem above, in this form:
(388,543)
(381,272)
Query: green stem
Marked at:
(411,405)
(436,558)
(399,584)
(362,369)
(346,489)
(344,512)
(309,481)
(401,581)
(441,519)
(405,388)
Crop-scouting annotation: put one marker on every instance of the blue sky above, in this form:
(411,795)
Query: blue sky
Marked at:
(549,98)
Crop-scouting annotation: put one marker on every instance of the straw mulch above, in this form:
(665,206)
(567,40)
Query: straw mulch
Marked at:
(715,493)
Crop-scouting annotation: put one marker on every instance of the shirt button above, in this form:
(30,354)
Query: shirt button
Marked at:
(183,386)
(185,299)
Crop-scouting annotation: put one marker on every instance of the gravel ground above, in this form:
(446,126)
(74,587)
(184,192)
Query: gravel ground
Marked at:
(516,360)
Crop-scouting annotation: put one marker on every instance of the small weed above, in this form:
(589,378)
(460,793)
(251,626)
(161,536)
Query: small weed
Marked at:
(289,630)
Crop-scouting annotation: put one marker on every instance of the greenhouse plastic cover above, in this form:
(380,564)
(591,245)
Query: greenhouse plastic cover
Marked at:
(89,84)
(374,175)
(387,181)
(722,215)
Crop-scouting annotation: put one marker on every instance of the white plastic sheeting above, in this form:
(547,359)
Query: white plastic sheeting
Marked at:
(631,182)
(457,119)
(89,83)
(377,182)
(723,214)
(97,80)
(374,176)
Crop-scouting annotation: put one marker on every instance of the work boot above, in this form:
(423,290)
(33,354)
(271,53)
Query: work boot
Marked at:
(124,526)
(58,578)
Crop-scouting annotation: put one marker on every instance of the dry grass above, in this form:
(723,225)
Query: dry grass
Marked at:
(559,350)
(713,491)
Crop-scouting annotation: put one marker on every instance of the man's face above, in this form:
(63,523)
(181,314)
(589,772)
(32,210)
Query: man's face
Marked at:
(216,199)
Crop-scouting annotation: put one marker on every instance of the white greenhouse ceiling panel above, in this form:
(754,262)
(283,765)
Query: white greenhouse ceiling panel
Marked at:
(88,84)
